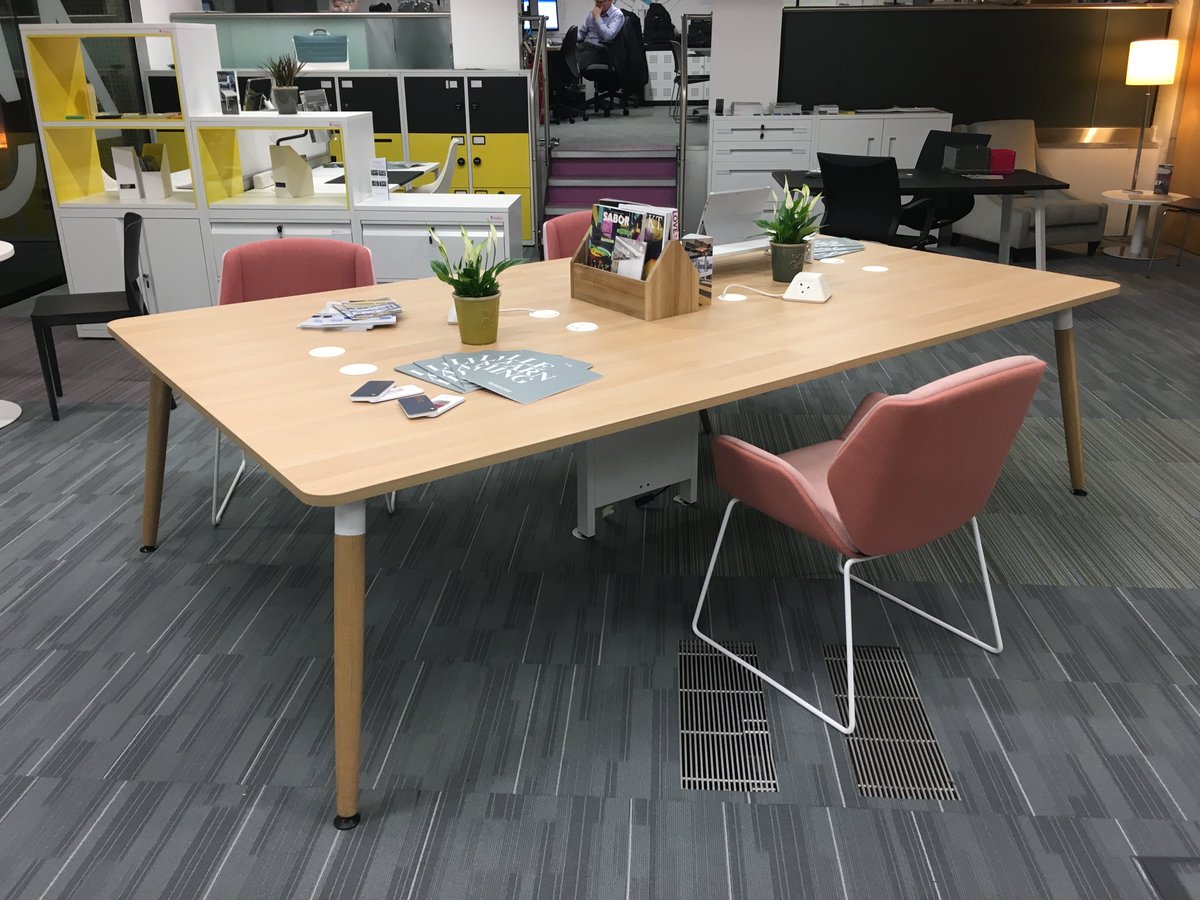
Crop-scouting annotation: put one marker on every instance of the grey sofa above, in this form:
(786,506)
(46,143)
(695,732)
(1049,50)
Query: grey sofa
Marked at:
(1069,219)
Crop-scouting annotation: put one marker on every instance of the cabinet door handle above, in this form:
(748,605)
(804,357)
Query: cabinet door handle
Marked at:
(870,141)
(461,161)
(279,230)
(477,161)
(891,146)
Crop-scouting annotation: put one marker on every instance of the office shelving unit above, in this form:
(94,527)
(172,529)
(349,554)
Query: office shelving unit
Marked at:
(216,203)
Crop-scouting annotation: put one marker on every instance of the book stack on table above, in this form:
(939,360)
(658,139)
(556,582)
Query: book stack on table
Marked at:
(628,238)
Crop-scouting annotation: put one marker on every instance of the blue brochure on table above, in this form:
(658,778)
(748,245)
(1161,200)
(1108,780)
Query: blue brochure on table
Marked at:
(530,376)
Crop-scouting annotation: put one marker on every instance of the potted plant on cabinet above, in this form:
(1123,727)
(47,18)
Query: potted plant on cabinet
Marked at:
(474,281)
(284,92)
(792,221)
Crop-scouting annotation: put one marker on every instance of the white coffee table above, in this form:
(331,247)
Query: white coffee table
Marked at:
(9,411)
(1141,201)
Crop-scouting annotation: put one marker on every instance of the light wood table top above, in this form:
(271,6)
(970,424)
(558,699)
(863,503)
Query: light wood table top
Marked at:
(247,368)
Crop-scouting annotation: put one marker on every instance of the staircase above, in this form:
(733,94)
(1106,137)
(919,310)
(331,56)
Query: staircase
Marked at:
(579,178)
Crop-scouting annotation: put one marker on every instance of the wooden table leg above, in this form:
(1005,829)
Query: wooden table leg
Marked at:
(156,460)
(349,579)
(1068,386)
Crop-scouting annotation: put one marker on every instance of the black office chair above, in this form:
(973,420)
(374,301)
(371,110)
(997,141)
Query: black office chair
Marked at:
(950,208)
(678,104)
(862,200)
(604,77)
(52,310)
(566,95)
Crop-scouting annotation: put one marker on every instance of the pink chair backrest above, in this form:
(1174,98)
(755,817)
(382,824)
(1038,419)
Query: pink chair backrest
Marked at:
(919,465)
(564,233)
(287,266)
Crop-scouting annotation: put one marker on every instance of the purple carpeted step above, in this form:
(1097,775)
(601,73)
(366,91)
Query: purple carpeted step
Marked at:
(584,196)
(612,167)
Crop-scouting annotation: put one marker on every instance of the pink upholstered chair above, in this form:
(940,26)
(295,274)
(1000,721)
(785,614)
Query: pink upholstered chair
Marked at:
(906,470)
(562,235)
(281,268)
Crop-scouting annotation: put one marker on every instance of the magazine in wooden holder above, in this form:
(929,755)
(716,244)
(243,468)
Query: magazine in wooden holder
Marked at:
(671,289)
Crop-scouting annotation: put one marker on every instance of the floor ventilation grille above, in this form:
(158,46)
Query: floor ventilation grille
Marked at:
(893,750)
(724,741)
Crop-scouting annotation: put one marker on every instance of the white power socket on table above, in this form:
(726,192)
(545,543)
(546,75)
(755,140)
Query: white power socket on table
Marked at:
(808,287)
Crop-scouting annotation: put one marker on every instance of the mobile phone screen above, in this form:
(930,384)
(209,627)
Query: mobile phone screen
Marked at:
(371,389)
(416,406)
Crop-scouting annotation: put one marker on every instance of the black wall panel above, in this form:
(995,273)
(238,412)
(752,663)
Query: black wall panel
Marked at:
(1061,67)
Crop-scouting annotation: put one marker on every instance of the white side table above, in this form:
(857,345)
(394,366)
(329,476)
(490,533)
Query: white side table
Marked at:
(1141,201)
(9,411)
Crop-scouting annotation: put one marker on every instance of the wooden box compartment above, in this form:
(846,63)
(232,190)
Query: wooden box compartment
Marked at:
(671,289)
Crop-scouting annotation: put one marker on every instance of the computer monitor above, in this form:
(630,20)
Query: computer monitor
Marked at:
(547,8)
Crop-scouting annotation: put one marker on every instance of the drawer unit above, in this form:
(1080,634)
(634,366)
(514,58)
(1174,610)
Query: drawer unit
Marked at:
(745,165)
(400,252)
(752,129)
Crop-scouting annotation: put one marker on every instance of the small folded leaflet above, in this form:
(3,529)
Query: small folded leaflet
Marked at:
(367,309)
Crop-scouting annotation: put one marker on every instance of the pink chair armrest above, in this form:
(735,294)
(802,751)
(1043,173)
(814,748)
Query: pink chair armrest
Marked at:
(773,487)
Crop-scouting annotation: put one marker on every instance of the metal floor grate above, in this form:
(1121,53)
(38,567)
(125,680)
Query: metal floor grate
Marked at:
(724,741)
(893,750)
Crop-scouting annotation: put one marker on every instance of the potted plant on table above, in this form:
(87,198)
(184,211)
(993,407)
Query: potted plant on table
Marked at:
(284,92)
(474,281)
(792,221)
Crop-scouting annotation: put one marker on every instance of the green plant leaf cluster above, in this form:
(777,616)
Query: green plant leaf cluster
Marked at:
(476,274)
(794,218)
(282,69)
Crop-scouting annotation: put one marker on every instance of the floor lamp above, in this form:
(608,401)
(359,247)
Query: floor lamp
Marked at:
(1151,63)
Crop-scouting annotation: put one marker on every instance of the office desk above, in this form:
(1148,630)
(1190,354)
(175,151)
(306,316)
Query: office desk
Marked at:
(329,451)
(932,184)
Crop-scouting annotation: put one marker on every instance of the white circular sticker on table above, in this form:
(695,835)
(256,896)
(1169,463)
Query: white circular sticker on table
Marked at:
(326,351)
(832,261)
(358,369)
(544,314)
(583,326)
(875,268)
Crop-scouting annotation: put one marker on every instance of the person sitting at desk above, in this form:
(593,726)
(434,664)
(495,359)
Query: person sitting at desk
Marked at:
(599,27)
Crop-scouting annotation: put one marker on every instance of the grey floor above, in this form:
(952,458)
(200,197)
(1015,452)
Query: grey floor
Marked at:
(165,720)
(646,127)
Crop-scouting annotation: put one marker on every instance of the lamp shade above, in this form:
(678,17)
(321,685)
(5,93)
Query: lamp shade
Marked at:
(1152,62)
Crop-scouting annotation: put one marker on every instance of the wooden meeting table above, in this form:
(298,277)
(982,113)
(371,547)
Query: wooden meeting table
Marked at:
(916,183)
(329,451)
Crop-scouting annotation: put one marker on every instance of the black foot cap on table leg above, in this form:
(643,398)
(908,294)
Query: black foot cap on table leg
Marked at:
(149,548)
(1079,492)
(346,823)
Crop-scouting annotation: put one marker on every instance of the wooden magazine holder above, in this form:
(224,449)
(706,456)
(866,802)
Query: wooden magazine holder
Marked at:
(671,289)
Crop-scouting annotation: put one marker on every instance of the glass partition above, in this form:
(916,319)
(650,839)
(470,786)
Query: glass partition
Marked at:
(374,40)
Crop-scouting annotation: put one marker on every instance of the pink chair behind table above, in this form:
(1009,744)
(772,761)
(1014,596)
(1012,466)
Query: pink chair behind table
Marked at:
(906,470)
(286,266)
(281,268)
(562,235)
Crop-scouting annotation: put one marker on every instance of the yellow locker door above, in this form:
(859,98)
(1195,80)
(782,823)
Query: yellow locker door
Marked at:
(433,148)
(499,160)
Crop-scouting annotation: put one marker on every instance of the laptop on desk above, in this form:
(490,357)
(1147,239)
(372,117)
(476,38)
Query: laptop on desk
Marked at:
(729,218)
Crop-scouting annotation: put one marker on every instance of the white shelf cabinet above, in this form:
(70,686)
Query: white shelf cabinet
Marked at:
(745,150)
(216,205)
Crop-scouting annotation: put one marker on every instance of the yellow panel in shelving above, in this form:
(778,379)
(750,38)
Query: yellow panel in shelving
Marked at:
(389,146)
(56,63)
(433,148)
(503,160)
(177,149)
(526,215)
(220,163)
(73,161)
